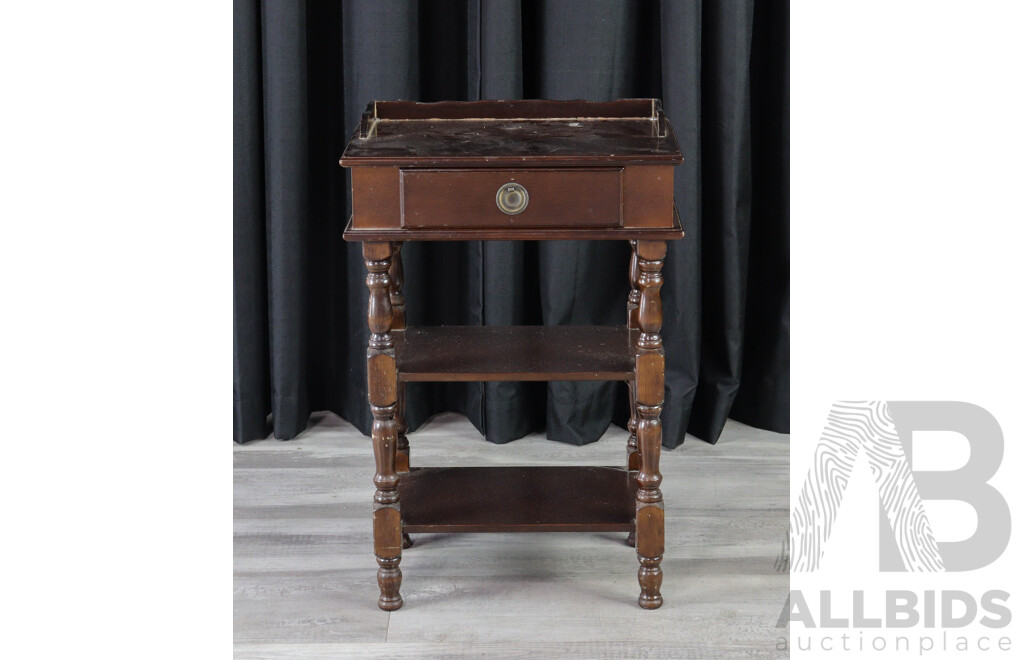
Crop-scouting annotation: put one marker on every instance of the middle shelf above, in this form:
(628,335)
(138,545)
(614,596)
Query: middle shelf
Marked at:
(516,353)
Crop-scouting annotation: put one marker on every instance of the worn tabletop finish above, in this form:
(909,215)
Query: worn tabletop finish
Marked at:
(560,132)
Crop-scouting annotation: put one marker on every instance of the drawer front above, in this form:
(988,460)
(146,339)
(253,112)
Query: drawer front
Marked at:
(511,198)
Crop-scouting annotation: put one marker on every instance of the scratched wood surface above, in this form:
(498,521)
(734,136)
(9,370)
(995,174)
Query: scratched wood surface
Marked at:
(305,577)
(527,132)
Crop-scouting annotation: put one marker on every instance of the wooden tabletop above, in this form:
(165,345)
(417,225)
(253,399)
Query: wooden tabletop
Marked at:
(522,133)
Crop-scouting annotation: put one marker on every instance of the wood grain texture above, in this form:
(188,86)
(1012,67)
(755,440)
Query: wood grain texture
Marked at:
(382,379)
(632,198)
(651,519)
(672,233)
(522,353)
(387,541)
(494,133)
(375,198)
(650,377)
(302,587)
(382,391)
(647,194)
(525,499)
(650,259)
(650,396)
(512,143)
(637,196)
(570,197)
(379,315)
(650,250)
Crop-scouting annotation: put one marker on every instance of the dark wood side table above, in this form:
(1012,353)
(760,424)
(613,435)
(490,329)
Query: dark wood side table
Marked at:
(514,170)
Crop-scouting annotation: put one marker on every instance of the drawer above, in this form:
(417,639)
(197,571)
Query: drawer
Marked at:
(462,198)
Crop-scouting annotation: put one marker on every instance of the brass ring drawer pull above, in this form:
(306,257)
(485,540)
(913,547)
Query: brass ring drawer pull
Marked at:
(512,198)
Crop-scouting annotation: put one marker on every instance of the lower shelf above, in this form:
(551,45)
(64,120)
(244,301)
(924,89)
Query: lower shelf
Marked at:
(517,499)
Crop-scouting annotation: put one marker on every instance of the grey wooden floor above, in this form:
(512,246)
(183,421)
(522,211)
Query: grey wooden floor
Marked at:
(305,582)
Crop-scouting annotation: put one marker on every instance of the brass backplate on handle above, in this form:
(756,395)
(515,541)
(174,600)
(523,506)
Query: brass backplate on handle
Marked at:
(512,198)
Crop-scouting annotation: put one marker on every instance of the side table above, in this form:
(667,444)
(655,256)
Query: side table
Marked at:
(514,170)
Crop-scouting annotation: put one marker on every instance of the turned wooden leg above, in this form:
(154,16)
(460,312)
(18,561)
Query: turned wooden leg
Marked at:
(650,397)
(382,389)
(632,306)
(396,276)
(632,451)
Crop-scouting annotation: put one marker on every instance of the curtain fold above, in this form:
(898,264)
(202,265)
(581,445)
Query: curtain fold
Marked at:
(303,74)
(251,351)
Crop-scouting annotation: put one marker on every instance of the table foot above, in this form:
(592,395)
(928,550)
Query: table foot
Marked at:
(389,577)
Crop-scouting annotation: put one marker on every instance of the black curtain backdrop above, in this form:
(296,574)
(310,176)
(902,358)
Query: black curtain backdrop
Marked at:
(303,72)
